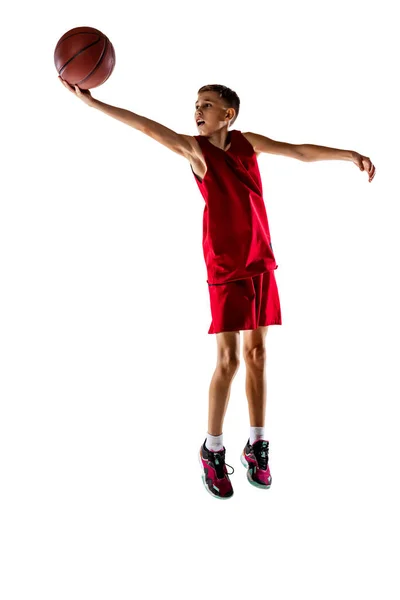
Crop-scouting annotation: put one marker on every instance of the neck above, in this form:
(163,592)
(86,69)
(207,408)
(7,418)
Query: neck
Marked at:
(221,139)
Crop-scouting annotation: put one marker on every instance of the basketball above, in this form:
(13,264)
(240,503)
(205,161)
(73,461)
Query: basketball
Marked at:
(85,57)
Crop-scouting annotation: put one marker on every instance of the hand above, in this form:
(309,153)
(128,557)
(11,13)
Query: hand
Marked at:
(83,95)
(364,164)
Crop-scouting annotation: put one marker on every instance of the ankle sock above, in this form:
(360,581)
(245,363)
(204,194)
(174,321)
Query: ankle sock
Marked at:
(214,442)
(256,433)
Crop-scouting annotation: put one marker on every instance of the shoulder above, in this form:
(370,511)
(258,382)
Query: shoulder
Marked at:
(194,154)
(193,148)
(251,139)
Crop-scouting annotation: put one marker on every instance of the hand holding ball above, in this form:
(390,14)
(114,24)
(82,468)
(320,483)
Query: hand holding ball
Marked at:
(83,95)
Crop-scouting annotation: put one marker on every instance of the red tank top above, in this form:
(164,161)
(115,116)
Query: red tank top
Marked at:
(236,237)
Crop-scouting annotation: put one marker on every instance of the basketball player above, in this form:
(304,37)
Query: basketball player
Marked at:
(239,259)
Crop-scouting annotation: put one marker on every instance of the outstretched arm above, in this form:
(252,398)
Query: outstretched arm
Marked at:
(309,152)
(179,143)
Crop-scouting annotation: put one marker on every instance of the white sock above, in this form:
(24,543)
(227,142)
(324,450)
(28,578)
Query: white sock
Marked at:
(214,442)
(256,433)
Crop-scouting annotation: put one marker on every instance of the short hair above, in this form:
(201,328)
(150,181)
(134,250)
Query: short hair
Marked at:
(231,98)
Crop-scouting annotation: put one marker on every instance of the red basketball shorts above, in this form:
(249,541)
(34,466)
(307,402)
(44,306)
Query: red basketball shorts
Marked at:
(245,304)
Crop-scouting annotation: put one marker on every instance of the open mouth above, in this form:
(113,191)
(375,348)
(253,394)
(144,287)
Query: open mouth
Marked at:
(200,123)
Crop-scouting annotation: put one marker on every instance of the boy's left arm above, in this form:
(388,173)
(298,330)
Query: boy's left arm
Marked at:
(310,152)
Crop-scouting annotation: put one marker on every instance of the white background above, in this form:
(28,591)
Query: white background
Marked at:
(105,357)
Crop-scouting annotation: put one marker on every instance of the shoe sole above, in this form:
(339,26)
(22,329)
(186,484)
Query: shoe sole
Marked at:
(250,480)
(205,484)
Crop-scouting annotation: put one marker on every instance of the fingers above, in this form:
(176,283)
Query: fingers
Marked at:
(371,170)
(369,167)
(72,88)
(65,84)
(372,173)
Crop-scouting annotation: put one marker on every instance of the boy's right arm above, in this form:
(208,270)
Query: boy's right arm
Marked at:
(179,143)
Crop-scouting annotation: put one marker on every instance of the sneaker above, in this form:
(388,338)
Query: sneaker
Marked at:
(255,459)
(214,473)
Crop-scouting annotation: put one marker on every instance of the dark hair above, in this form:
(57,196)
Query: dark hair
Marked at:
(231,98)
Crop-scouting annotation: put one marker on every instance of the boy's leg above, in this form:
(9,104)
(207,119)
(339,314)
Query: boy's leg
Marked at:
(212,453)
(228,360)
(254,354)
(255,454)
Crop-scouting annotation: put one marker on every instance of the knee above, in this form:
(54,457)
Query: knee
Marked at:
(229,363)
(255,357)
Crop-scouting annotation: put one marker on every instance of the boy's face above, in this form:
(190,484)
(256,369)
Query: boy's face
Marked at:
(211,110)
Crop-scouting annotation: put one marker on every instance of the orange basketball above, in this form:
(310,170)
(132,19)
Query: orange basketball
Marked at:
(84,56)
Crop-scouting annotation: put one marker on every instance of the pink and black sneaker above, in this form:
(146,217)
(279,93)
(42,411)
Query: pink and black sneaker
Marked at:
(214,473)
(255,459)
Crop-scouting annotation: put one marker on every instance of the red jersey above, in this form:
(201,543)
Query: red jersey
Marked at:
(236,237)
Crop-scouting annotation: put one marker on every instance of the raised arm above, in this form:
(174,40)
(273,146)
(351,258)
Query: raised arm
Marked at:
(261,143)
(179,143)
(310,152)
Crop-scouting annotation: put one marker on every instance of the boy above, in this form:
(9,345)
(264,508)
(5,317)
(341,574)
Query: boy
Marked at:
(239,258)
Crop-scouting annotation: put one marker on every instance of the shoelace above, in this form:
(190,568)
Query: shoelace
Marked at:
(261,454)
(219,462)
